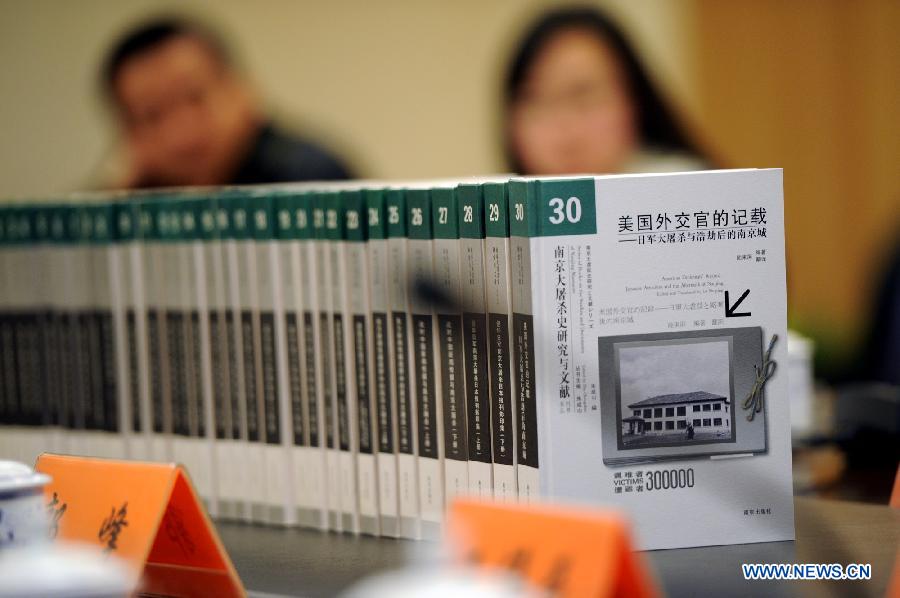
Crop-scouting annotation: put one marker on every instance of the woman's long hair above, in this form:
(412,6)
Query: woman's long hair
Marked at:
(658,127)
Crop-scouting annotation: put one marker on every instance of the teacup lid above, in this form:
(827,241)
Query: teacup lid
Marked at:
(18,476)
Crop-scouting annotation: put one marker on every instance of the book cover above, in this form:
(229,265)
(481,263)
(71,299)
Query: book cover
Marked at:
(629,294)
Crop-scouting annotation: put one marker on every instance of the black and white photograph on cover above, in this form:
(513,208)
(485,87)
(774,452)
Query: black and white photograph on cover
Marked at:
(675,392)
(680,395)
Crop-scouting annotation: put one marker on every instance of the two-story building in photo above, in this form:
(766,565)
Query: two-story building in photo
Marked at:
(668,414)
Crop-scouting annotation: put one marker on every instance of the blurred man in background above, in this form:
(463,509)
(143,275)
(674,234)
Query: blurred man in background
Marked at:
(189,117)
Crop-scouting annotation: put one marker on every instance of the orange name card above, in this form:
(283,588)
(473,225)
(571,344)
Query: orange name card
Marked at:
(146,514)
(567,551)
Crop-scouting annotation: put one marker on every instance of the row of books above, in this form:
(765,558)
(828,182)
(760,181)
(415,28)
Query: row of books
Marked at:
(352,356)
(332,356)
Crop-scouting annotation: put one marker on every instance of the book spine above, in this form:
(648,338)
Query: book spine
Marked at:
(272,356)
(48,339)
(384,379)
(236,225)
(314,472)
(426,374)
(360,355)
(523,223)
(497,275)
(290,361)
(107,318)
(448,308)
(402,366)
(470,215)
(219,411)
(345,387)
(178,321)
(125,223)
(202,423)
(92,395)
(251,331)
(323,286)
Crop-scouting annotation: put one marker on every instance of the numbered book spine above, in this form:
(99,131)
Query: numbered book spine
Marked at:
(314,471)
(497,277)
(177,340)
(383,379)
(323,285)
(342,334)
(107,408)
(38,309)
(47,337)
(251,336)
(82,315)
(131,317)
(470,215)
(290,313)
(237,463)
(160,293)
(523,221)
(146,298)
(364,408)
(27,335)
(199,349)
(426,374)
(16,372)
(54,251)
(217,367)
(272,363)
(448,312)
(402,365)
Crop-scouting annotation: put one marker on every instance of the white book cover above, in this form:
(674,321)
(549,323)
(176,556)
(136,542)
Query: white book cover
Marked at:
(635,281)
(362,393)
(426,373)
(447,284)
(470,215)
(401,338)
(384,375)
(499,304)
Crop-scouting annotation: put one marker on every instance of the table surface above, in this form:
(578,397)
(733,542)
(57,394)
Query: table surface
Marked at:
(295,562)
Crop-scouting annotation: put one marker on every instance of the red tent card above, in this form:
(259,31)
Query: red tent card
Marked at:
(147,514)
(567,551)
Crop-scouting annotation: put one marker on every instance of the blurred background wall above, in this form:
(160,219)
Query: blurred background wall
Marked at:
(408,88)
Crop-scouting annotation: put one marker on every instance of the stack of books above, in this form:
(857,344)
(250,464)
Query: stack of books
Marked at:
(353,356)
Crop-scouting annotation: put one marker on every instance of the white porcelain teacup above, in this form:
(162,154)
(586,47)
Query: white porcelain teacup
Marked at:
(23,514)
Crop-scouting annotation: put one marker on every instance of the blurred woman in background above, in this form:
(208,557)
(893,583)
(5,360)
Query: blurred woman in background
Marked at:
(578,100)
